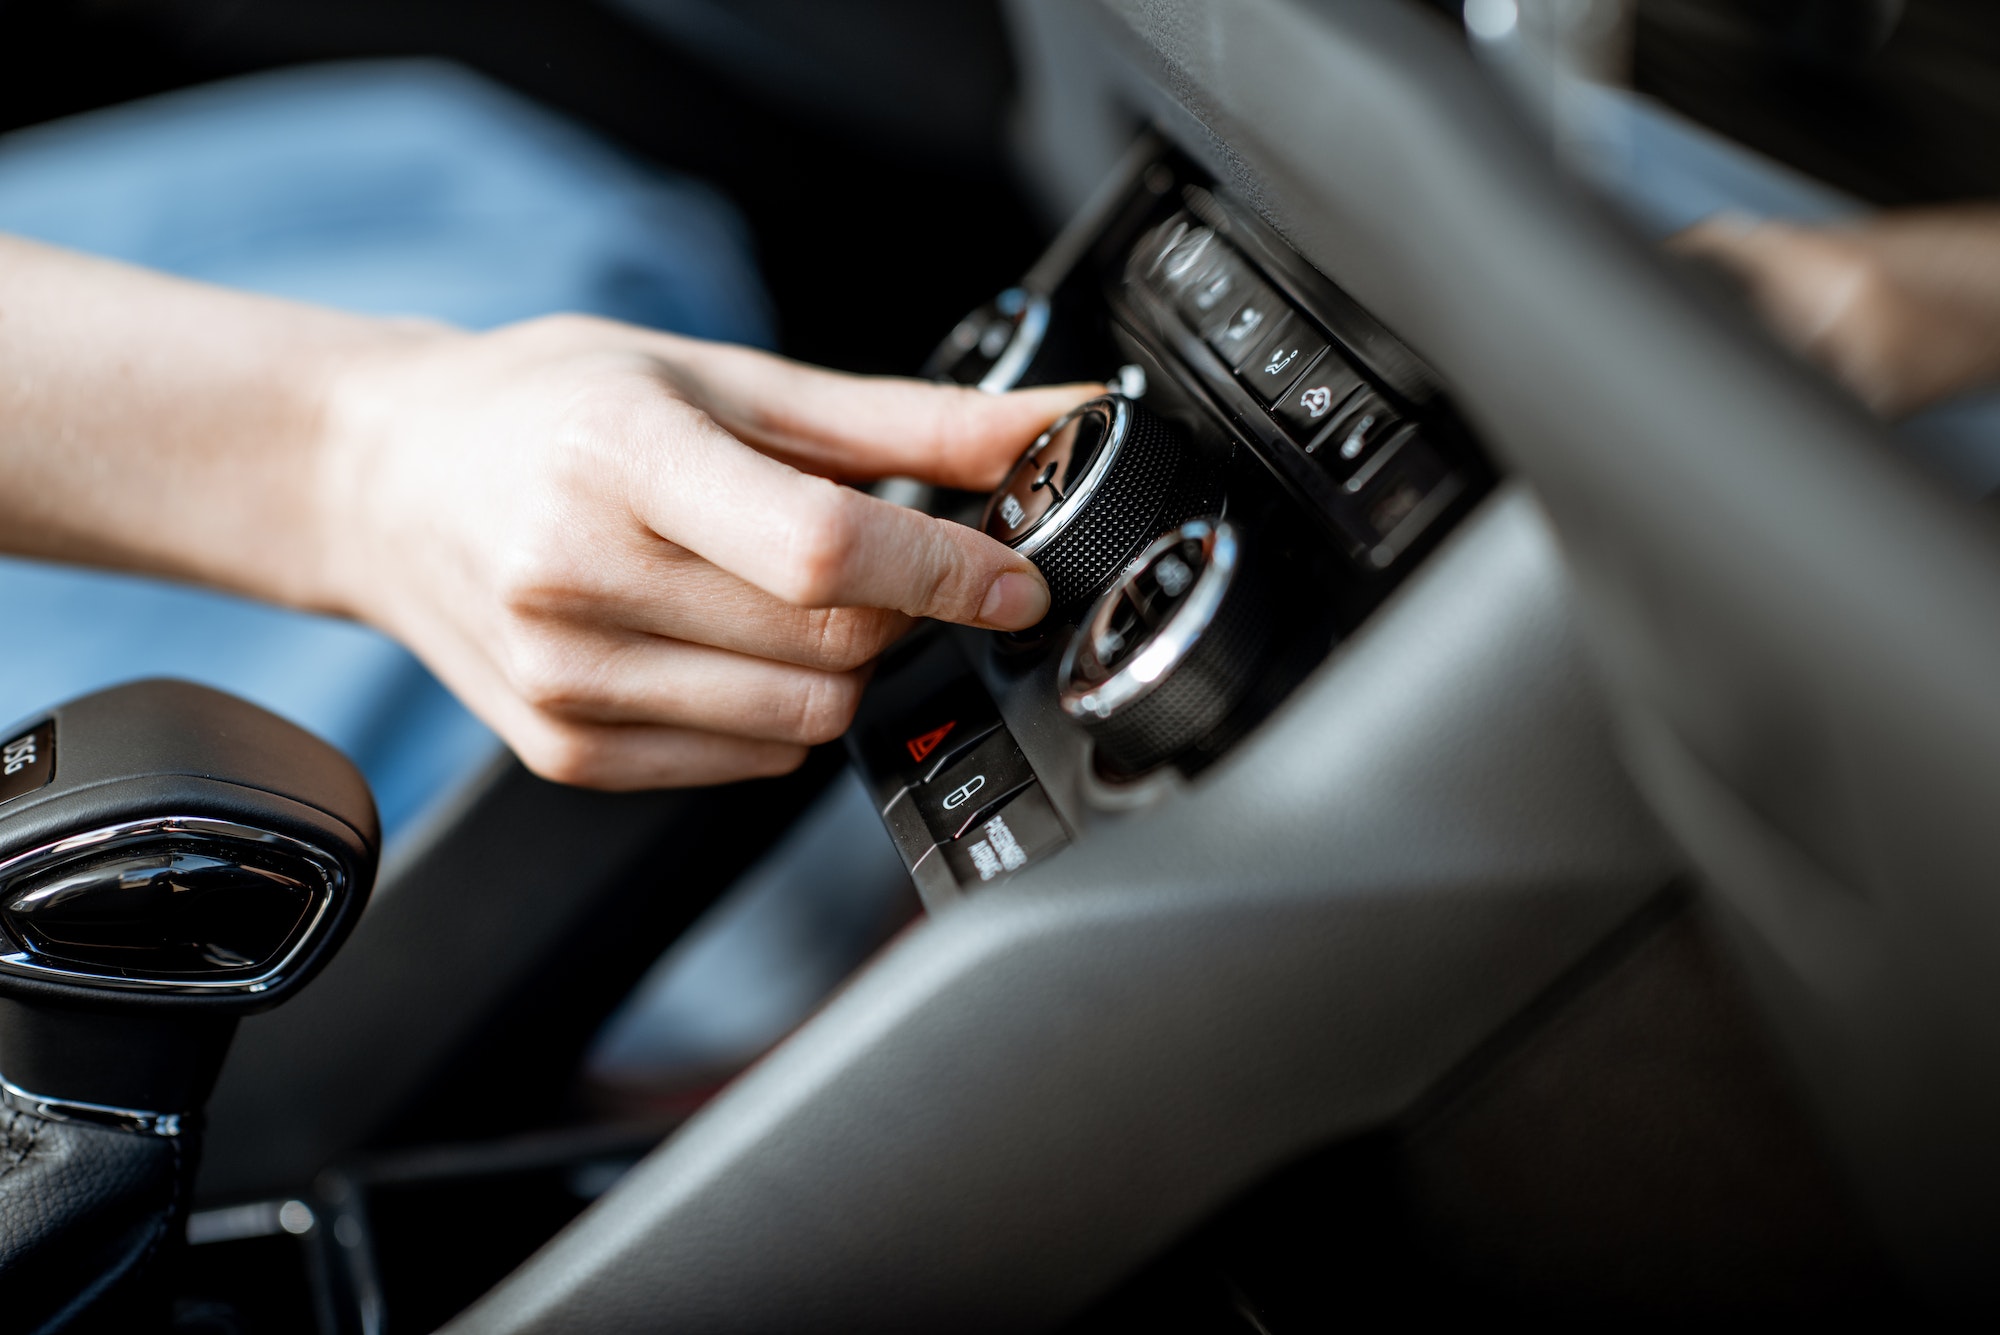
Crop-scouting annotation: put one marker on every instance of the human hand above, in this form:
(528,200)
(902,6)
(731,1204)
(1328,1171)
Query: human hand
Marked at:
(622,549)
(1903,308)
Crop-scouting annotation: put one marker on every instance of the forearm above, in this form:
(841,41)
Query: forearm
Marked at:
(157,425)
(623,549)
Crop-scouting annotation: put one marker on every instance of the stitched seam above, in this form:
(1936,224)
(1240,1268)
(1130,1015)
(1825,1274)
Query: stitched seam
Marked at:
(167,1219)
(105,1284)
(27,1147)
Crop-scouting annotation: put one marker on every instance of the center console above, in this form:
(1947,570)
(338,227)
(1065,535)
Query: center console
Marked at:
(1301,796)
(1268,462)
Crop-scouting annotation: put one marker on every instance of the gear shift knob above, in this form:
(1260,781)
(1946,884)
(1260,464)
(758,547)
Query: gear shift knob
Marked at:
(170,858)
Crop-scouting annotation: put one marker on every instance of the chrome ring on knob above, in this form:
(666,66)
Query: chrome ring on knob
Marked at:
(994,345)
(1049,466)
(1095,489)
(1169,659)
(1093,688)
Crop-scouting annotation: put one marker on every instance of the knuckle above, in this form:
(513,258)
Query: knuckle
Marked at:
(565,327)
(1874,293)
(959,418)
(547,677)
(843,638)
(533,580)
(825,706)
(565,755)
(817,552)
(597,414)
(960,423)
(953,582)
(942,594)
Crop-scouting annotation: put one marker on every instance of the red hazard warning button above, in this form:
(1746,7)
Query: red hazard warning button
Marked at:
(920,747)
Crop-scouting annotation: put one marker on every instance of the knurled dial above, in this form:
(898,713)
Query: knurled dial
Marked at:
(1160,664)
(1096,487)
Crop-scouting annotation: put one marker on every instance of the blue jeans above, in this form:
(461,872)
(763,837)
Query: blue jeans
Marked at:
(403,187)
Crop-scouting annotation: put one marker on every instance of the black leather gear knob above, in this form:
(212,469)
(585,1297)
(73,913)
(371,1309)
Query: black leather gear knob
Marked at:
(166,847)
(170,858)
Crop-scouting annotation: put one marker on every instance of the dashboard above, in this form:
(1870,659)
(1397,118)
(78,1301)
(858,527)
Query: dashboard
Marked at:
(1267,464)
(1307,823)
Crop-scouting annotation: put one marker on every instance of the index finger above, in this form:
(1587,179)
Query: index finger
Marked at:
(815,543)
(865,427)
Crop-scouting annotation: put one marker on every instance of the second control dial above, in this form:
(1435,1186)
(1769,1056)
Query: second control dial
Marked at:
(1165,658)
(1093,490)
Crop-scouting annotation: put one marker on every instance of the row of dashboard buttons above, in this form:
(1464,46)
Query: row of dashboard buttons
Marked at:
(960,799)
(1321,403)
(1267,344)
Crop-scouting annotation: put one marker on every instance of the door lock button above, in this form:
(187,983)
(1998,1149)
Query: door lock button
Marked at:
(954,798)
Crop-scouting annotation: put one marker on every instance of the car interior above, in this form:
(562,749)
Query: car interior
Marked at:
(1492,823)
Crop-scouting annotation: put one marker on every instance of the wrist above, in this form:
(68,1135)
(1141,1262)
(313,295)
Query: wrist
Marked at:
(361,395)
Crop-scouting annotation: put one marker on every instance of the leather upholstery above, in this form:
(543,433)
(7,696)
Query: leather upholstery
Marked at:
(83,1212)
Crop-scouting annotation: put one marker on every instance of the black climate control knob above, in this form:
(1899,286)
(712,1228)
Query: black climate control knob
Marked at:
(1159,667)
(1095,488)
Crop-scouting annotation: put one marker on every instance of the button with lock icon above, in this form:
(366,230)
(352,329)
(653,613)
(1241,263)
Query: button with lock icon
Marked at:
(963,791)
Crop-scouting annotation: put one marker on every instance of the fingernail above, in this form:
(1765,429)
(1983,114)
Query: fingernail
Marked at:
(1016,601)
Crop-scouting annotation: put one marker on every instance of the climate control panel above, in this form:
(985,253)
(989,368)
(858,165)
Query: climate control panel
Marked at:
(1267,464)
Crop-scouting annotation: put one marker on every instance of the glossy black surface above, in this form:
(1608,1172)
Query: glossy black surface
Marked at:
(1319,398)
(1009,839)
(179,839)
(1281,354)
(958,795)
(207,908)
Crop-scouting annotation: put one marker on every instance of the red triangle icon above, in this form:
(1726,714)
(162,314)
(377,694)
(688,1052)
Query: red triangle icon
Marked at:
(922,746)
